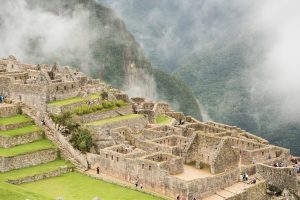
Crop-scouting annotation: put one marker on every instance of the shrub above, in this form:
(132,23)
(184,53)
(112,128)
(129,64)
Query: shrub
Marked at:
(121,103)
(107,104)
(104,95)
(82,139)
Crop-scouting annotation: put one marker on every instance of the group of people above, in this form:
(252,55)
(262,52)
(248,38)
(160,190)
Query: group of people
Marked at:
(280,164)
(137,185)
(182,198)
(245,178)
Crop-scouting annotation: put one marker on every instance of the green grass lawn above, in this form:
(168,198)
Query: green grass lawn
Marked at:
(14,120)
(26,148)
(20,131)
(163,119)
(113,119)
(73,100)
(75,186)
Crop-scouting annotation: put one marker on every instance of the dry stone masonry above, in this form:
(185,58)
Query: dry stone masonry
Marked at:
(187,157)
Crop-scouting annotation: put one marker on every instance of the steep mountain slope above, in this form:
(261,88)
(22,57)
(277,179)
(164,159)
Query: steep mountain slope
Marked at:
(89,36)
(217,48)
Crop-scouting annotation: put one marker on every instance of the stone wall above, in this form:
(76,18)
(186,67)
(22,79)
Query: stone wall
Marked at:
(8,142)
(37,177)
(264,155)
(26,160)
(126,110)
(254,192)
(203,187)
(280,177)
(135,124)
(8,110)
(14,126)
(226,158)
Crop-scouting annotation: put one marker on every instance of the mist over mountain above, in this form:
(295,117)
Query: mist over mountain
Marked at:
(239,58)
(89,36)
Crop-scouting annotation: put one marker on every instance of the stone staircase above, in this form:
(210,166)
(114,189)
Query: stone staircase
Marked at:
(240,189)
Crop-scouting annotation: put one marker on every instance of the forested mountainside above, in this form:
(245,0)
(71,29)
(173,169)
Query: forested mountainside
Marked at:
(218,49)
(93,39)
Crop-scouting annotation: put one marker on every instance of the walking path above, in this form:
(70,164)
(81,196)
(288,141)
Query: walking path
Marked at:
(114,180)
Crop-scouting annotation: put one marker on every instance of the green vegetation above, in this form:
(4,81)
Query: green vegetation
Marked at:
(106,105)
(82,139)
(74,100)
(114,119)
(26,148)
(20,131)
(163,119)
(14,120)
(38,169)
(73,186)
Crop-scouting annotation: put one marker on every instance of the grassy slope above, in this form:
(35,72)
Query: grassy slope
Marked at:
(68,186)
(29,171)
(14,120)
(26,148)
(163,119)
(114,119)
(20,131)
(73,100)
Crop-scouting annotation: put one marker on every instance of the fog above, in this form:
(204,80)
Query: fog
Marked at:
(173,31)
(35,35)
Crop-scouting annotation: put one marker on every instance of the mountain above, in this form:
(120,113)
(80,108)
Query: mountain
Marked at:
(89,36)
(219,49)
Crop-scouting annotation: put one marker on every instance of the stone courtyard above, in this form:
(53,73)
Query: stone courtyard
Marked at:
(182,156)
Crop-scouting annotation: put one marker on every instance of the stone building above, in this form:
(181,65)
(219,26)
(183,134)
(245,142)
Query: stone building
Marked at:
(195,159)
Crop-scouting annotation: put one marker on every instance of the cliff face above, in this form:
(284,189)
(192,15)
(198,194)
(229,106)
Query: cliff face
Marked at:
(116,57)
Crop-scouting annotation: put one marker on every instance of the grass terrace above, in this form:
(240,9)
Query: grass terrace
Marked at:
(163,119)
(114,119)
(74,100)
(38,169)
(20,131)
(75,186)
(14,120)
(26,148)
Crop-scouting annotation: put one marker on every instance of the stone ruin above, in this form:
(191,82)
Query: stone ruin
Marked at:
(187,157)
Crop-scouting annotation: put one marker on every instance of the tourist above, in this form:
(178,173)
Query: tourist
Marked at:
(178,197)
(136,184)
(1,99)
(141,186)
(98,170)
(182,198)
